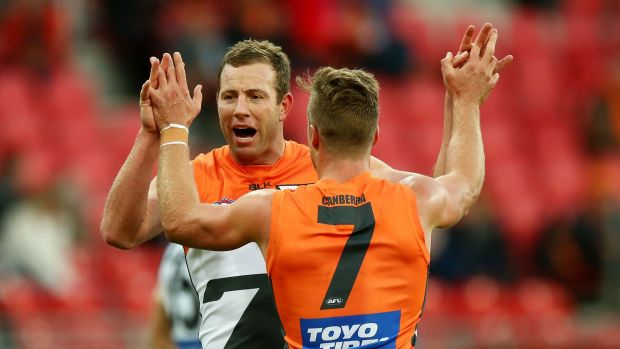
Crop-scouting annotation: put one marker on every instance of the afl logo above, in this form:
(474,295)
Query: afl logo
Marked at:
(334,301)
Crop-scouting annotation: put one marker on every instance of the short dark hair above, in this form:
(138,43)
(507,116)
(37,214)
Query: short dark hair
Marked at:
(253,51)
(344,107)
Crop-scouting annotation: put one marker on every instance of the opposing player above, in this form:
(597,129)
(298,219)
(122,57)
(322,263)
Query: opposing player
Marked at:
(175,319)
(347,256)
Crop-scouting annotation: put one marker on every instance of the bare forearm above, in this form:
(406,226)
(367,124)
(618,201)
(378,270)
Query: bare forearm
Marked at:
(185,220)
(465,152)
(189,222)
(175,186)
(440,165)
(126,207)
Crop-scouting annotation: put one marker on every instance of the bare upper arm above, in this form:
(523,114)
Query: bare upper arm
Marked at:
(226,227)
(255,210)
(438,201)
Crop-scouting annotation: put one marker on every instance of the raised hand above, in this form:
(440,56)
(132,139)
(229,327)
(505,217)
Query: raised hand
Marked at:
(476,78)
(481,41)
(171,100)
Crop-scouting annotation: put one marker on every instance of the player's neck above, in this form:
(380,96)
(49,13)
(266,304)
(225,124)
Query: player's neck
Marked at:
(341,170)
(269,157)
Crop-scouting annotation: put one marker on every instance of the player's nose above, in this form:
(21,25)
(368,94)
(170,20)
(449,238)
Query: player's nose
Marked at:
(241,108)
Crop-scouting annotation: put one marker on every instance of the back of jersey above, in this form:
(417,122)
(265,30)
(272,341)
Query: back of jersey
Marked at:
(348,264)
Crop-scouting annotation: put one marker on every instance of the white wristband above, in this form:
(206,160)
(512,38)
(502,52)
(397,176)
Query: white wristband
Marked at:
(175,126)
(173,142)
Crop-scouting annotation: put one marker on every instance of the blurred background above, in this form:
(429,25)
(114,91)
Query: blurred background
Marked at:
(536,263)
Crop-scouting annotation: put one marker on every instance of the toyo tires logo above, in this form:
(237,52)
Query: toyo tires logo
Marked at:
(358,331)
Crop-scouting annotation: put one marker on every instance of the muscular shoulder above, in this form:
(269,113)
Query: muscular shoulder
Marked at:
(420,184)
(432,201)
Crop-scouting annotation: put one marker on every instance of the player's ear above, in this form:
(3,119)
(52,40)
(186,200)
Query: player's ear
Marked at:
(286,105)
(313,137)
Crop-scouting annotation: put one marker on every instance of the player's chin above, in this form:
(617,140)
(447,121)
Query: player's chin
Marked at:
(246,149)
(247,144)
(248,155)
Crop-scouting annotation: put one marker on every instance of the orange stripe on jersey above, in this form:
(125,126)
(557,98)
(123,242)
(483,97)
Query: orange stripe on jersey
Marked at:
(348,264)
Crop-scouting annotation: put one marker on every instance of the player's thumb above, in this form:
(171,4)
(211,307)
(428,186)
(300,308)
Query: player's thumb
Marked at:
(494,79)
(197,99)
(446,63)
(153,95)
(144,92)
(460,59)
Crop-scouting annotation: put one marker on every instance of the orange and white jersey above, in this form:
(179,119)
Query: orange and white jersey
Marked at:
(348,264)
(236,302)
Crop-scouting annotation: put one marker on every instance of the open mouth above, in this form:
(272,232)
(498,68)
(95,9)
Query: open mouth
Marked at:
(244,132)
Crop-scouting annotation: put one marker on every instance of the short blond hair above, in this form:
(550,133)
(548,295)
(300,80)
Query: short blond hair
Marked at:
(344,107)
(251,51)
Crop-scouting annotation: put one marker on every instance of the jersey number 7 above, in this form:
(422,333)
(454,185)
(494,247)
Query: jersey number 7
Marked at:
(350,262)
(257,323)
